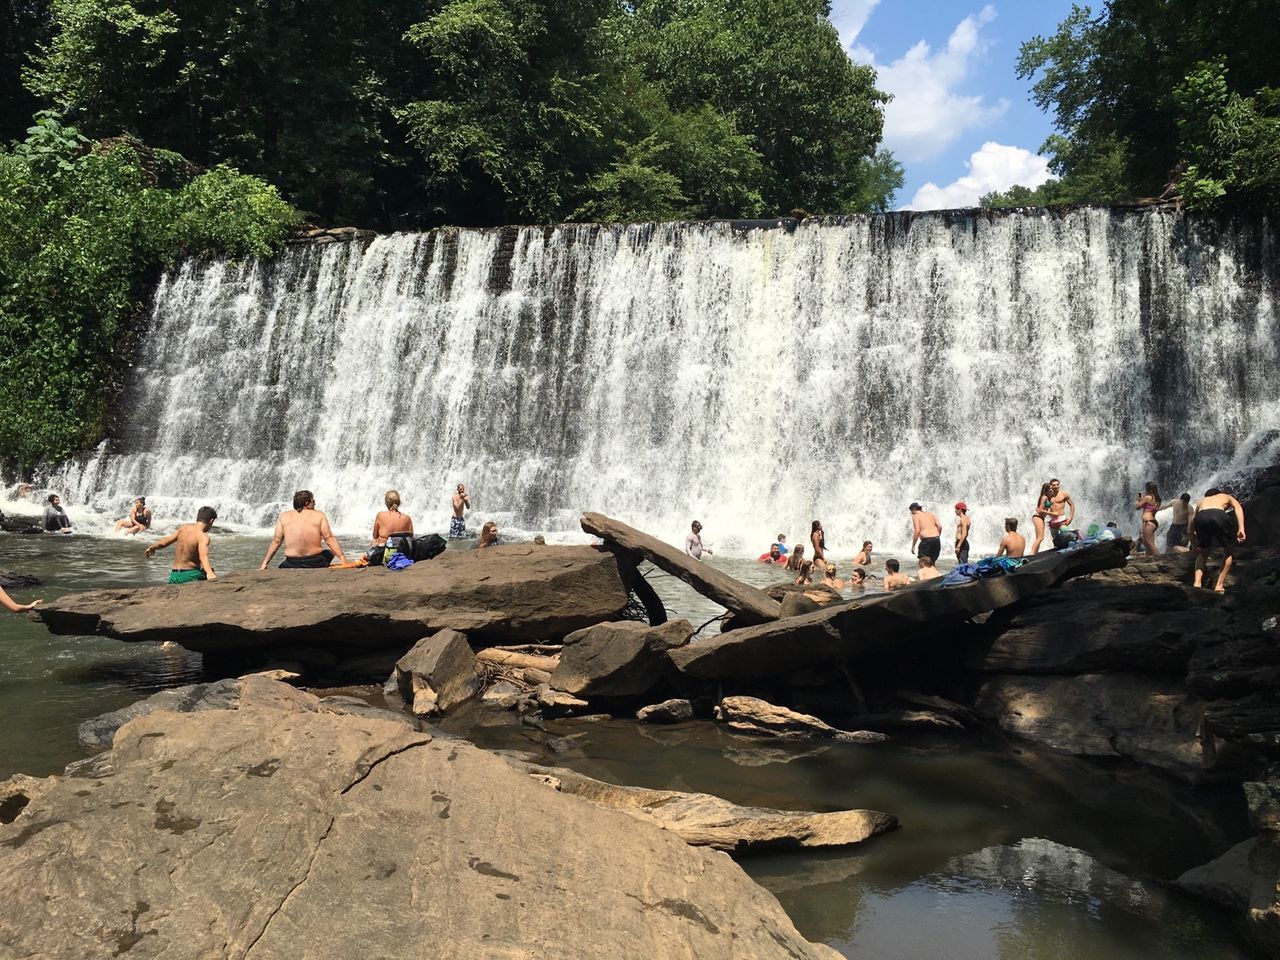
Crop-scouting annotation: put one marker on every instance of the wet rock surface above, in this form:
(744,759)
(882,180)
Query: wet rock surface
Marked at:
(236,833)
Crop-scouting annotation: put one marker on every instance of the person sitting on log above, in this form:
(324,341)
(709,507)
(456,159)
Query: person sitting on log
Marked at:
(305,532)
(191,557)
(893,578)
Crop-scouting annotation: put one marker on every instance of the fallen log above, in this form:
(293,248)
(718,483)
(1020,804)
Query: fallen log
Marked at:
(882,622)
(519,661)
(748,604)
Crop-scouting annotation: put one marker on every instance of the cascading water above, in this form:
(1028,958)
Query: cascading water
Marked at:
(751,379)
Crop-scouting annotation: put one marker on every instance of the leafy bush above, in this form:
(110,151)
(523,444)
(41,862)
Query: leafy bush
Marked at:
(83,228)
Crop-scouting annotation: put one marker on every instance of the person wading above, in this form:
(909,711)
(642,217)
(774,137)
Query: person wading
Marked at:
(191,557)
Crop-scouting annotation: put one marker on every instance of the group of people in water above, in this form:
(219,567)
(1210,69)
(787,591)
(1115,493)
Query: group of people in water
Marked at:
(1216,522)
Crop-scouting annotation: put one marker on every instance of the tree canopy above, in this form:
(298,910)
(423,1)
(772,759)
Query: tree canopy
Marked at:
(1159,98)
(403,113)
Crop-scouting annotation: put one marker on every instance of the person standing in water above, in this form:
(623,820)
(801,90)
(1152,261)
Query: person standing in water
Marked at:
(1040,518)
(1177,540)
(693,542)
(864,555)
(818,538)
(139,518)
(963,523)
(191,557)
(1147,504)
(927,531)
(1013,544)
(1219,524)
(55,518)
(457,523)
(305,533)
(388,522)
(782,544)
(795,560)
(1059,500)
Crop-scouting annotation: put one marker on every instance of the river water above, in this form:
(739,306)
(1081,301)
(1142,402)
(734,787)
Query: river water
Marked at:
(997,856)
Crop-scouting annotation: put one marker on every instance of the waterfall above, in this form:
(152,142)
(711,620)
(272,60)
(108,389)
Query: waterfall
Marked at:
(752,379)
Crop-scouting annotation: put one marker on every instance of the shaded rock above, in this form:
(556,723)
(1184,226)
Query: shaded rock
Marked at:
(910,720)
(1227,881)
(556,703)
(504,694)
(1245,880)
(1148,720)
(504,594)
(17,581)
(883,622)
(963,715)
(795,603)
(756,716)
(438,673)
(218,695)
(623,659)
(18,791)
(704,820)
(1262,797)
(748,604)
(289,833)
(668,711)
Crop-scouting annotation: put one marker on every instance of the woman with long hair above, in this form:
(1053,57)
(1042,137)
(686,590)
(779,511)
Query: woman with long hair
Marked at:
(488,536)
(1041,516)
(818,537)
(1147,504)
(796,559)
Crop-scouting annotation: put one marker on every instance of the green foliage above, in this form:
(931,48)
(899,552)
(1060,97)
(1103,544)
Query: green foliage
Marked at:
(1157,97)
(410,113)
(82,227)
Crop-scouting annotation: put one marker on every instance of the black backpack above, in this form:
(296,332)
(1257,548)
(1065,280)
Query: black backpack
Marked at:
(424,548)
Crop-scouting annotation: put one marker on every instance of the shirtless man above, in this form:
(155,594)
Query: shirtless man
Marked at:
(893,579)
(927,531)
(1219,525)
(1013,544)
(857,579)
(139,518)
(461,502)
(1177,539)
(927,570)
(864,555)
(1059,500)
(693,542)
(963,523)
(304,531)
(191,557)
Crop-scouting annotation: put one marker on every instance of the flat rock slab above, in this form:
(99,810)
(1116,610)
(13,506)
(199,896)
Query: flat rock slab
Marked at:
(747,603)
(709,821)
(755,716)
(850,630)
(1103,716)
(265,833)
(518,592)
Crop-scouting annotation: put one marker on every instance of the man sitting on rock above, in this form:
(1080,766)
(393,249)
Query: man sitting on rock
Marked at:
(305,532)
(894,579)
(1013,544)
(191,558)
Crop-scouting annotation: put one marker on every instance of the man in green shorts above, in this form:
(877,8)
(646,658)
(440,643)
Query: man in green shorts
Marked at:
(191,558)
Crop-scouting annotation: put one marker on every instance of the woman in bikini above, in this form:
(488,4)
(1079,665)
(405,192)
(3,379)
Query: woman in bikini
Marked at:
(818,537)
(1041,516)
(1147,504)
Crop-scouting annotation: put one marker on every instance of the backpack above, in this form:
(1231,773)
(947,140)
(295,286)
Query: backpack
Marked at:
(427,547)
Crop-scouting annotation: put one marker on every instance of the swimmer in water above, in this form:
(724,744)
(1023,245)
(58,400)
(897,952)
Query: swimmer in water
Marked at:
(191,557)
(893,578)
(864,555)
(927,570)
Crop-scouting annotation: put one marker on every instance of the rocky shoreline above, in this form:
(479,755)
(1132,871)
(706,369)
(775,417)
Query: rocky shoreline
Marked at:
(1105,662)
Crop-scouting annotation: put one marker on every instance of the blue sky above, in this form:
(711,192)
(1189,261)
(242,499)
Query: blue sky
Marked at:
(961,123)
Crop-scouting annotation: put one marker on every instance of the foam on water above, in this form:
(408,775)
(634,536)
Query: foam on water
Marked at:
(754,380)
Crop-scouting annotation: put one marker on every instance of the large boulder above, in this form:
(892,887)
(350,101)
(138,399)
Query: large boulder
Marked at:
(282,833)
(1102,716)
(623,659)
(1245,880)
(504,594)
(438,674)
(708,821)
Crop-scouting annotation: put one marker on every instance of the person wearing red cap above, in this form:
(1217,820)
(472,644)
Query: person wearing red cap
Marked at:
(963,523)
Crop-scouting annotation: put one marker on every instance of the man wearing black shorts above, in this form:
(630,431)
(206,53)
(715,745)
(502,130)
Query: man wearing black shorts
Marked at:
(1219,524)
(927,531)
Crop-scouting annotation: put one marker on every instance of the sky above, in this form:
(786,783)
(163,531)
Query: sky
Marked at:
(961,122)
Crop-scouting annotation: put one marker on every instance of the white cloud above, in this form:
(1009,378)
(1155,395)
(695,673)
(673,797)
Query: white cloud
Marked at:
(994,167)
(928,114)
(850,16)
